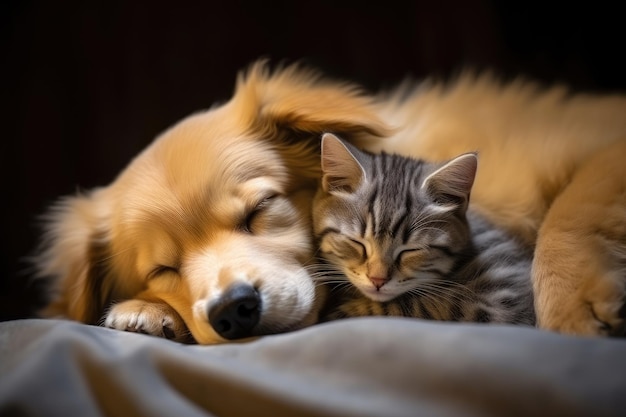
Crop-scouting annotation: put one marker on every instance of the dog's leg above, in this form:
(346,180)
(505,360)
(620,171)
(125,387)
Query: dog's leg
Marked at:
(579,270)
(575,292)
(149,315)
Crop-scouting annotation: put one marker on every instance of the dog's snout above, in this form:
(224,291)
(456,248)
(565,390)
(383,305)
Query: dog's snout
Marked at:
(236,312)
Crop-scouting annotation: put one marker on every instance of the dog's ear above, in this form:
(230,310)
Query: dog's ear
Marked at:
(298,99)
(73,259)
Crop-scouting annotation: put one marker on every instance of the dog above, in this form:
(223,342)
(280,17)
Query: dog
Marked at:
(205,236)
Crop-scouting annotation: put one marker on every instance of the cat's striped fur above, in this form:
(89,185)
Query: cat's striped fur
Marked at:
(399,230)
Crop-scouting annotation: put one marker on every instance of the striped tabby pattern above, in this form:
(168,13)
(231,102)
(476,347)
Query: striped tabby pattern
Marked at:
(397,238)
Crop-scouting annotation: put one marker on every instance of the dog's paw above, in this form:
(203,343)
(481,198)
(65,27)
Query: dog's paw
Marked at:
(594,310)
(592,319)
(153,318)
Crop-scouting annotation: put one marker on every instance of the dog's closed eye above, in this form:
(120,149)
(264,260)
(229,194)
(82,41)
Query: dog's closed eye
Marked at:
(251,216)
(161,270)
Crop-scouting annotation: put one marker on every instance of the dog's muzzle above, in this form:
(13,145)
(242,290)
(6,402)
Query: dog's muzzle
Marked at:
(236,312)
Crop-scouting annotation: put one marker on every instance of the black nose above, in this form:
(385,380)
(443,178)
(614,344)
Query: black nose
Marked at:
(236,312)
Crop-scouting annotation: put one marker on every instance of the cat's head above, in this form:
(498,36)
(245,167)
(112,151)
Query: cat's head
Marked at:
(392,224)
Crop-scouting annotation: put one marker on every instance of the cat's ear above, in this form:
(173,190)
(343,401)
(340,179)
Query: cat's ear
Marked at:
(449,187)
(341,170)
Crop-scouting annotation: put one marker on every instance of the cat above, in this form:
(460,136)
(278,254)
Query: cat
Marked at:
(400,232)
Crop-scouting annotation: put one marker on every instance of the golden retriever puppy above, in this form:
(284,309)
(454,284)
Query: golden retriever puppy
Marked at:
(207,231)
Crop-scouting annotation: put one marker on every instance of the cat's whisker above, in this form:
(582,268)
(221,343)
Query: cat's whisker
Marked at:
(457,293)
(464,289)
(321,274)
(436,292)
(331,281)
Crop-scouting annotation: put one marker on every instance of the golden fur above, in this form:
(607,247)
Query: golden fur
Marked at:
(580,264)
(155,249)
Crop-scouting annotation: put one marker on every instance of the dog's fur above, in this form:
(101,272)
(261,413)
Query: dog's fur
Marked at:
(580,262)
(223,197)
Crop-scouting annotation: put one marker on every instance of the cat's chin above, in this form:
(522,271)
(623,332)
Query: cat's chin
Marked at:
(380,296)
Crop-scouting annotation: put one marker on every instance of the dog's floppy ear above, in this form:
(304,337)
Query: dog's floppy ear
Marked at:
(73,258)
(299,100)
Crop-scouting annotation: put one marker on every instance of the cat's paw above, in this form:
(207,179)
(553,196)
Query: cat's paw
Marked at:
(153,318)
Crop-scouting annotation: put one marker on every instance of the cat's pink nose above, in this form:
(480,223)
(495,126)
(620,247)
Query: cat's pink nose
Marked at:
(378,281)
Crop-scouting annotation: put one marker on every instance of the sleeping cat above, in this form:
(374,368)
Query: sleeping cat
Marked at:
(399,231)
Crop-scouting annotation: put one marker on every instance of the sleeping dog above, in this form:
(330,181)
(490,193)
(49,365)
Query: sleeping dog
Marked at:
(206,233)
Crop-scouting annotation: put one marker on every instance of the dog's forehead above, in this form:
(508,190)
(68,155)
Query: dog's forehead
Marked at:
(197,175)
(258,186)
(210,146)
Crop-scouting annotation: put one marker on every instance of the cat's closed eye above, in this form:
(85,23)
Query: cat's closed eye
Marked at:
(409,255)
(344,247)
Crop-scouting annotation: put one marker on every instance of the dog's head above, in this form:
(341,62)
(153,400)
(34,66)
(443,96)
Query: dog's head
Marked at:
(215,209)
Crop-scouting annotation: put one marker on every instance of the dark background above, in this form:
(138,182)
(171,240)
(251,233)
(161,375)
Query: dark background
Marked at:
(87,85)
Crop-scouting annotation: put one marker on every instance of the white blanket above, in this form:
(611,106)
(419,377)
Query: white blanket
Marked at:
(378,366)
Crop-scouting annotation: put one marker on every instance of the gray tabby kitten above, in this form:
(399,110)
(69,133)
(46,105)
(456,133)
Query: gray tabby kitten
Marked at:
(399,230)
